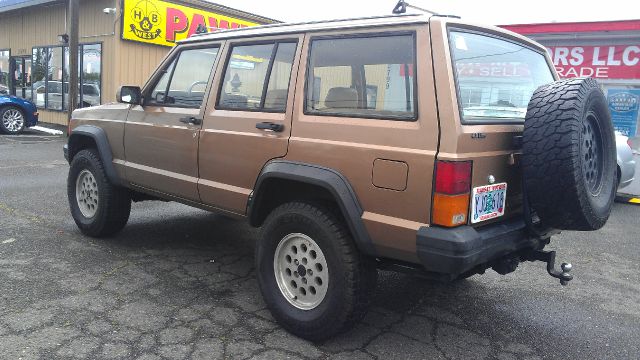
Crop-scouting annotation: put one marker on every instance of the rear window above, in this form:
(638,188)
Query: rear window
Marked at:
(496,77)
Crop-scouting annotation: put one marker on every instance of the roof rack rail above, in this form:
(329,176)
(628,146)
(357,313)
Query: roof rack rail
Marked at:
(401,8)
(272,26)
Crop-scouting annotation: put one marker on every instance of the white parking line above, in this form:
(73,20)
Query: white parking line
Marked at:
(43,165)
(46,130)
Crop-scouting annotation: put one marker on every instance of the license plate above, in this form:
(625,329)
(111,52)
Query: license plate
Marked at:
(488,202)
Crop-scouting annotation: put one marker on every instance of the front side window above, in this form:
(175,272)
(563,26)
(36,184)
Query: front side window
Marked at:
(257,77)
(362,77)
(496,77)
(184,81)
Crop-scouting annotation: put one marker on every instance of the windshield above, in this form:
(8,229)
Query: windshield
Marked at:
(496,77)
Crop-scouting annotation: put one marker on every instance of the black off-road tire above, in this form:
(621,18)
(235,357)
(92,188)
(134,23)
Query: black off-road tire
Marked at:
(352,276)
(569,155)
(114,202)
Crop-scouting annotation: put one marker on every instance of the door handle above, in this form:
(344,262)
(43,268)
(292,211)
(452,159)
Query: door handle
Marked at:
(270,126)
(191,120)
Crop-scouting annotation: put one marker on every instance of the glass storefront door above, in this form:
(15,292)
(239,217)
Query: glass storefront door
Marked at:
(21,82)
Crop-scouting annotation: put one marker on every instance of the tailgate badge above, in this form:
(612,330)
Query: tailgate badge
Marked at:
(491,179)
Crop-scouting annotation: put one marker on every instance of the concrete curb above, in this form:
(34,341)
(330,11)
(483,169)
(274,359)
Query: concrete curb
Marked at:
(628,199)
(47,130)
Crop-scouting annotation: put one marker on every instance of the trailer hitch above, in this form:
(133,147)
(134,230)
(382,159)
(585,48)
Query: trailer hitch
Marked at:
(550,258)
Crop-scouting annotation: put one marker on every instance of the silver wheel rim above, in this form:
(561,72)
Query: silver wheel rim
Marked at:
(87,193)
(12,120)
(301,271)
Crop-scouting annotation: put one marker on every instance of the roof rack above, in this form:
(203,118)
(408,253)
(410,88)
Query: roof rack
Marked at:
(274,27)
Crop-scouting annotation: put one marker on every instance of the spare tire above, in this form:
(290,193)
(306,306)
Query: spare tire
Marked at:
(569,155)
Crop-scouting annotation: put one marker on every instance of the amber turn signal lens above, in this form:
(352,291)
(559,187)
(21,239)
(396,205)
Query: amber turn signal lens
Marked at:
(450,210)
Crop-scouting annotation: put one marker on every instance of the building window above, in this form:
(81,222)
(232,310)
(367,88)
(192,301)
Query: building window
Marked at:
(50,73)
(257,77)
(56,90)
(369,77)
(39,63)
(4,72)
(91,75)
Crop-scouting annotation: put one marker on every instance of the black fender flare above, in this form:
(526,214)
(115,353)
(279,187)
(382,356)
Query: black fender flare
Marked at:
(102,143)
(329,179)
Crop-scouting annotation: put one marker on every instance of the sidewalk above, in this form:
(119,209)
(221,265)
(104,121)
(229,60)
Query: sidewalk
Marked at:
(50,129)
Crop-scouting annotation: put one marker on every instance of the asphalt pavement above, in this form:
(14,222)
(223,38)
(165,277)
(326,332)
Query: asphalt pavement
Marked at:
(179,283)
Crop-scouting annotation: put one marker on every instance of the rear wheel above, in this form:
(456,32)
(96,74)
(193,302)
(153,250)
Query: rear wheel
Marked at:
(12,120)
(569,156)
(98,207)
(311,275)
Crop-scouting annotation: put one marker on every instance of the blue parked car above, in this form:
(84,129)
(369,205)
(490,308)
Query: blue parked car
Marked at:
(16,114)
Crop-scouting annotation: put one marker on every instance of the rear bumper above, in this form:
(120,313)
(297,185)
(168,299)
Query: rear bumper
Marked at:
(458,250)
(65,150)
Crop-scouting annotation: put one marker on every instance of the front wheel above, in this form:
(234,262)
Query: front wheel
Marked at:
(311,275)
(12,120)
(98,207)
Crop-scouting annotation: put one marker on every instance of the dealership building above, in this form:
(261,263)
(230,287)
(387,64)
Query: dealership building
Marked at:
(608,51)
(121,43)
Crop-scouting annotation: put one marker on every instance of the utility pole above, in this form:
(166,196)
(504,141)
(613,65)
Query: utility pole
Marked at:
(73,21)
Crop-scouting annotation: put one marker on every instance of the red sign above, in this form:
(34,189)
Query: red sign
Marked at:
(602,61)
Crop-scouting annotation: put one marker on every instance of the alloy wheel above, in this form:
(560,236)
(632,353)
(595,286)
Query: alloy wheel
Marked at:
(12,120)
(301,271)
(87,193)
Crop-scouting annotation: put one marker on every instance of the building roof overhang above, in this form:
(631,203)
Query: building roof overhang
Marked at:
(8,5)
(595,30)
(575,27)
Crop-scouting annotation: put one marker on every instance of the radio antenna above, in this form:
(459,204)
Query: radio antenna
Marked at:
(401,8)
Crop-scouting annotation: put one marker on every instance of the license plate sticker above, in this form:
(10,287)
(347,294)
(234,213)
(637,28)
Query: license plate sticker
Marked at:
(488,202)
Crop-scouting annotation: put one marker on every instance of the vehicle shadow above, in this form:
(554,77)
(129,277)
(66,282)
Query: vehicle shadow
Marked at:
(461,315)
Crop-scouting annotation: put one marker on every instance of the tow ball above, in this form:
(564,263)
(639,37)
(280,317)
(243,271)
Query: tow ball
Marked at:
(550,258)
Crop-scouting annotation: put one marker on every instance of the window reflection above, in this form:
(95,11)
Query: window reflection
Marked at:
(50,67)
(39,75)
(55,89)
(4,72)
(91,75)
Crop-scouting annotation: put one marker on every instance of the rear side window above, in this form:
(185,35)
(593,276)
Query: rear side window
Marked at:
(370,77)
(495,77)
(257,77)
(185,79)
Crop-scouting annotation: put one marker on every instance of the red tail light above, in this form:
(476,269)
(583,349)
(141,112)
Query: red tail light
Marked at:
(452,192)
(453,178)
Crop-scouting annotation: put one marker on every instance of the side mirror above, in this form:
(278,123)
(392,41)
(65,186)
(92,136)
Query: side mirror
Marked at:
(129,95)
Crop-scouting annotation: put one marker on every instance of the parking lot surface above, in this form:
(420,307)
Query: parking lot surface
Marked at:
(179,283)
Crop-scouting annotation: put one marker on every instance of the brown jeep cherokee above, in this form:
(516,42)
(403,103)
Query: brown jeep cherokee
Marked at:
(411,143)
